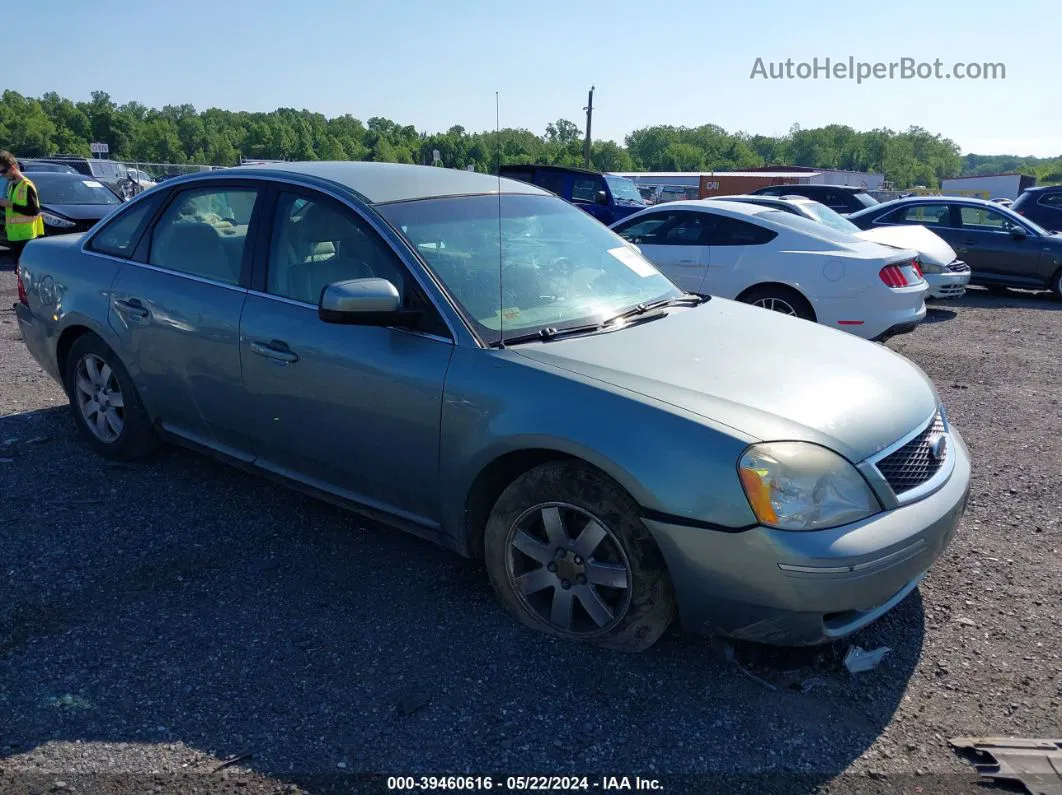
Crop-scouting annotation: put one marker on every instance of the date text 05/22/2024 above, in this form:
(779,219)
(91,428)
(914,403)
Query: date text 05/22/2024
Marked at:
(523,783)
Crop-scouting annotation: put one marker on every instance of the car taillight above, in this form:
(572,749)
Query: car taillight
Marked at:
(22,297)
(893,276)
(918,267)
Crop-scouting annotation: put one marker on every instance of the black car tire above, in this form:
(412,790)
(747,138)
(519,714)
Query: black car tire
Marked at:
(137,438)
(648,605)
(779,292)
(1056,283)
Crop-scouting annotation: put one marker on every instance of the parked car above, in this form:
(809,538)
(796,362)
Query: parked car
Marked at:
(842,199)
(109,172)
(776,260)
(946,275)
(1042,205)
(40,165)
(1002,248)
(606,197)
(69,202)
(661,194)
(612,447)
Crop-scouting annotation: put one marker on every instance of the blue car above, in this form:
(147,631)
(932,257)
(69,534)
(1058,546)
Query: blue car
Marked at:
(607,197)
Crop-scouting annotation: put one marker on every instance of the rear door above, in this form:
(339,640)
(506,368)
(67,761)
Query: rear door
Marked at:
(177,308)
(1047,211)
(673,240)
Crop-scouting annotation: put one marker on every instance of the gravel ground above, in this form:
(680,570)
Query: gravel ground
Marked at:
(159,620)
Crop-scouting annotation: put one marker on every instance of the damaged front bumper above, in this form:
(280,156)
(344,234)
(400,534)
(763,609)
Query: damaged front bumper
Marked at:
(804,588)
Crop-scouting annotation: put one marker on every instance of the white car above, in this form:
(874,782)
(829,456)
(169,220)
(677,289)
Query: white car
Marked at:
(947,275)
(779,261)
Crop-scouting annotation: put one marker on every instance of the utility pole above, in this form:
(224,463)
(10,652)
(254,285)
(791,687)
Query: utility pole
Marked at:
(589,115)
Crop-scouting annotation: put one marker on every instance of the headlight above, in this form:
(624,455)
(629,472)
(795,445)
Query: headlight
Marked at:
(55,220)
(802,486)
(930,267)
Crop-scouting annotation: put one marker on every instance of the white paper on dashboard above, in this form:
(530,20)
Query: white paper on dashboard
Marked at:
(633,261)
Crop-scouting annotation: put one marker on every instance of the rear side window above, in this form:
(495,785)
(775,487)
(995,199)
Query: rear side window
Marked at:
(732,232)
(119,237)
(522,174)
(585,188)
(553,181)
(1052,200)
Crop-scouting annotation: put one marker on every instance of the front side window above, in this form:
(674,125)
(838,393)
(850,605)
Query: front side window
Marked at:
(545,264)
(203,233)
(584,189)
(119,237)
(648,229)
(1052,200)
(317,242)
(983,219)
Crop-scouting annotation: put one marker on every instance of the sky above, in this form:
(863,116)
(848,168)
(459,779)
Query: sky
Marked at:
(678,62)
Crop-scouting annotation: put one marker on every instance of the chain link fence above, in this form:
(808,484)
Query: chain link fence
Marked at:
(139,176)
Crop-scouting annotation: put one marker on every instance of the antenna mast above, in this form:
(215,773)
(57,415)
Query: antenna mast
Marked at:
(501,291)
(589,115)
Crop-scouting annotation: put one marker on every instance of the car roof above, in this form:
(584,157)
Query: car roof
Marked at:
(711,205)
(760,198)
(548,167)
(817,186)
(380,183)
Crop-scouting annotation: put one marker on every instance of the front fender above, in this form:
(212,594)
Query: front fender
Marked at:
(671,462)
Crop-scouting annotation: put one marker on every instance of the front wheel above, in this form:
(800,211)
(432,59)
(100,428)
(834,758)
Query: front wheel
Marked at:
(1056,284)
(105,403)
(568,555)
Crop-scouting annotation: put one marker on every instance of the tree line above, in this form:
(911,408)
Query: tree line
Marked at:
(179,134)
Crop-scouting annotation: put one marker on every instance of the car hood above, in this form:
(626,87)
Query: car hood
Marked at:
(80,212)
(930,246)
(764,374)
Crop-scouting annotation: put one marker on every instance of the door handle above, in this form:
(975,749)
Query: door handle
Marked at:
(275,350)
(687,262)
(131,307)
(969,242)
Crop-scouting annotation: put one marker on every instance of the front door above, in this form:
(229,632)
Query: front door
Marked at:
(354,410)
(585,189)
(178,314)
(994,254)
(673,241)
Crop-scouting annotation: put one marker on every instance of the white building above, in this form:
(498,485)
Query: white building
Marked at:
(989,186)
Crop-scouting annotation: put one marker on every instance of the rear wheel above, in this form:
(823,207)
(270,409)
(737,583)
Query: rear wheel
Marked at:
(1056,284)
(568,555)
(779,298)
(106,405)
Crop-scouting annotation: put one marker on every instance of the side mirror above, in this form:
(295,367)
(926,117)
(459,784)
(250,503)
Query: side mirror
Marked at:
(601,197)
(364,302)
(1018,233)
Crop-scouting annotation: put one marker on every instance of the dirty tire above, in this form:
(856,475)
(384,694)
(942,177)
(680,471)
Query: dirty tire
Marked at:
(1056,284)
(649,606)
(137,438)
(780,293)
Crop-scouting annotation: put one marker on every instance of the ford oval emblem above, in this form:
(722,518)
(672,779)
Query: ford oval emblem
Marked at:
(938,447)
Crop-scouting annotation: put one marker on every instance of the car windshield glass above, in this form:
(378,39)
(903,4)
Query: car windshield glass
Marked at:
(624,189)
(865,199)
(560,267)
(831,218)
(802,224)
(62,189)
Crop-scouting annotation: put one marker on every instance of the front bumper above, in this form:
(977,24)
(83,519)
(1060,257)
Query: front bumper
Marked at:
(950,284)
(803,588)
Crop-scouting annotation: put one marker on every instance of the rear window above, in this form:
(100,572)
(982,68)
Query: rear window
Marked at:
(864,199)
(806,225)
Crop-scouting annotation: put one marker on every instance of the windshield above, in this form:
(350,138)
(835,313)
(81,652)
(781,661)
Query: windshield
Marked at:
(624,189)
(61,189)
(561,268)
(865,199)
(806,225)
(832,218)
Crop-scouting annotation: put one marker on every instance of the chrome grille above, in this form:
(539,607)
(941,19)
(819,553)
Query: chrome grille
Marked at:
(958,266)
(913,464)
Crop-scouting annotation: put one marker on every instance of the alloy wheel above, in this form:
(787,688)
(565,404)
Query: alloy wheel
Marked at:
(776,305)
(568,569)
(99,398)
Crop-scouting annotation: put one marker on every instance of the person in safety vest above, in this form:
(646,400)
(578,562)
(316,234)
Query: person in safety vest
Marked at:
(22,207)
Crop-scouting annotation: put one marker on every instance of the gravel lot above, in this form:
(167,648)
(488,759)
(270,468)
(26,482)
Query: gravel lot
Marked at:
(158,620)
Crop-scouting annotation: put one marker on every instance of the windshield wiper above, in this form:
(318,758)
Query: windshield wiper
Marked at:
(547,333)
(641,309)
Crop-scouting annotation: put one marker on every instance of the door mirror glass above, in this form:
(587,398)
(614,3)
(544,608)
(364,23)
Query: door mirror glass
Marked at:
(364,302)
(1018,233)
(601,197)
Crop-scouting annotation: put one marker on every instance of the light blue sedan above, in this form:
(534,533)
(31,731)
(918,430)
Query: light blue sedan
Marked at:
(476,361)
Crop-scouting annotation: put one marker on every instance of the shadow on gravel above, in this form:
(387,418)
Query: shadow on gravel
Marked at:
(182,606)
(937,314)
(982,297)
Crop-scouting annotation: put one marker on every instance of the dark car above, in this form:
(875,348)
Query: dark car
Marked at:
(607,197)
(1042,206)
(1002,248)
(109,172)
(842,199)
(41,165)
(71,202)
